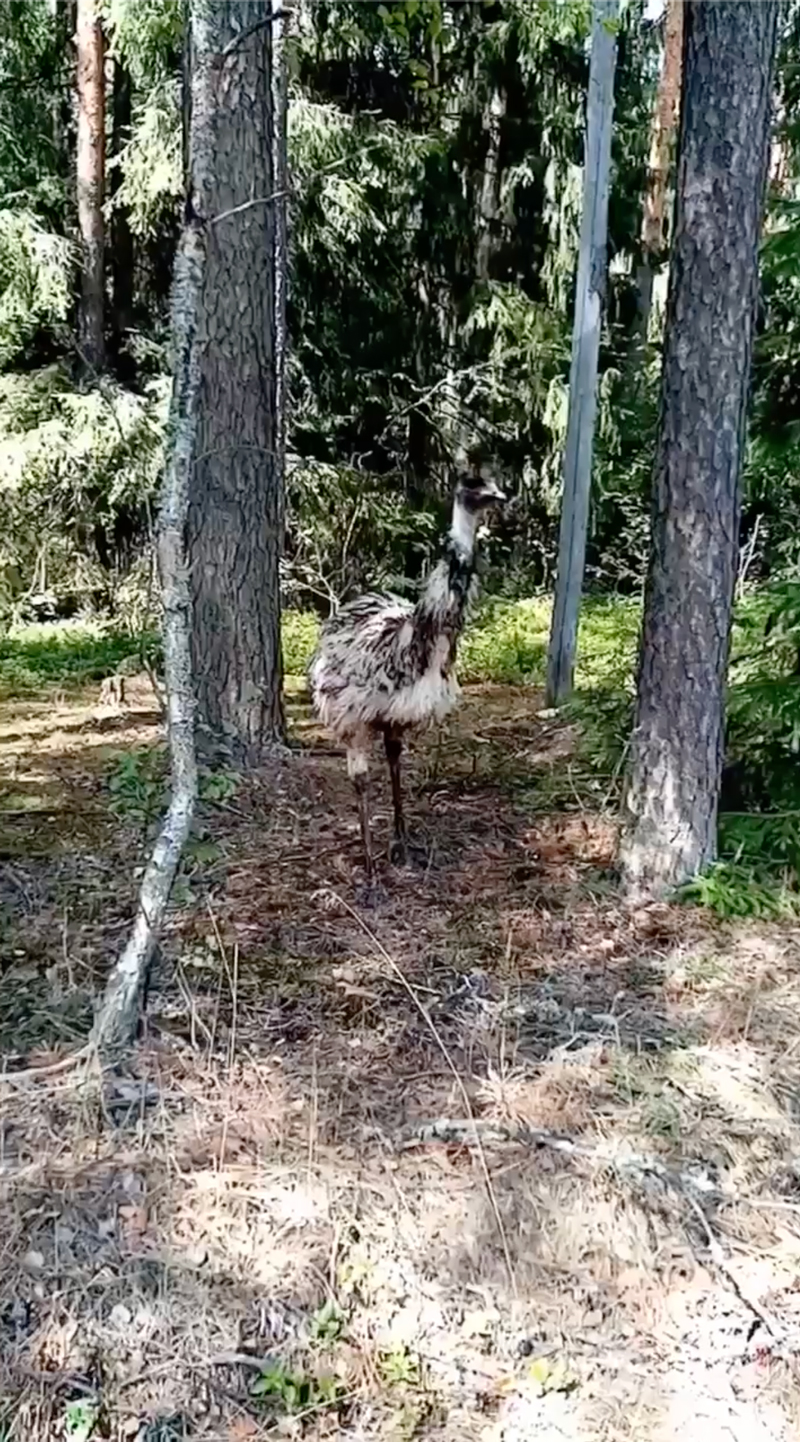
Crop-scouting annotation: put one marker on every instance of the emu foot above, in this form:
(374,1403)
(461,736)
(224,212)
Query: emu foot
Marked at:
(371,894)
(404,852)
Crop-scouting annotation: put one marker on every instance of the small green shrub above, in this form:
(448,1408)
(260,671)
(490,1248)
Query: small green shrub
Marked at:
(293,1392)
(399,1367)
(35,280)
(734,891)
(349,530)
(327,1323)
(72,462)
(80,1419)
(138,786)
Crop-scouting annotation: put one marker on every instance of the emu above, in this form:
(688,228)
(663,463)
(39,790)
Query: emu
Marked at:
(385,665)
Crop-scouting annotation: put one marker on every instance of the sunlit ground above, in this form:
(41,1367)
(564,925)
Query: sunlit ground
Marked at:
(278,1220)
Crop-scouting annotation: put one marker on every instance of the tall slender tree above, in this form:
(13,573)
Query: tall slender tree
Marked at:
(235,513)
(670,805)
(281,40)
(489,188)
(590,289)
(91,161)
(122,252)
(117,1017)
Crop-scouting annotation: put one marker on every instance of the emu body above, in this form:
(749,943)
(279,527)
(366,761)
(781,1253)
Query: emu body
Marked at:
(386,666)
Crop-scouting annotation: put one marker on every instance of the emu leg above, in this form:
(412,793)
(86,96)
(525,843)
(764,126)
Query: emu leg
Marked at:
(361,785)
(394,748)
(357,769)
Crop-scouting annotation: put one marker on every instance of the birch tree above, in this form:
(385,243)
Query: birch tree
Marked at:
(117,1018)
(670,805)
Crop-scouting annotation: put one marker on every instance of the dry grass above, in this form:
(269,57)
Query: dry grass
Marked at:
(243,1202)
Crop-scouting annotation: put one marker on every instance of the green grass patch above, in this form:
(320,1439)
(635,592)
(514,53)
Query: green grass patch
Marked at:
(506,643)
(60,654)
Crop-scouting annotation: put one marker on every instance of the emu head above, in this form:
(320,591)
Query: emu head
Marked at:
(475,500)
(478,496)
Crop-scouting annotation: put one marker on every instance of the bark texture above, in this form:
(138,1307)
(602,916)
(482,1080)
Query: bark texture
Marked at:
(235,512)
(91,161)
(664,122)
(117,1019)
(670,806)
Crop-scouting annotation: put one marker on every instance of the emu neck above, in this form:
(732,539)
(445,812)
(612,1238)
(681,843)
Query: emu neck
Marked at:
(462,530)
(442,605)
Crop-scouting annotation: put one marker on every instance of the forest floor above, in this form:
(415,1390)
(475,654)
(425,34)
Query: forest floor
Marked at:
(495,1159)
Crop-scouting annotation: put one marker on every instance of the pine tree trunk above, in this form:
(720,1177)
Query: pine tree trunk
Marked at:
(664,119)
(235,513)
(670,808)
(91,179)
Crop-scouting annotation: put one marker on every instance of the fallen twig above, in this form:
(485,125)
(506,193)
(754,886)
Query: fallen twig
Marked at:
(56,1068)
(454,1132)
(718,1257)
(241,1359)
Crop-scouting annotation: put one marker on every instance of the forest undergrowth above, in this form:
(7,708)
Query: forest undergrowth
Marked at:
(497,1158)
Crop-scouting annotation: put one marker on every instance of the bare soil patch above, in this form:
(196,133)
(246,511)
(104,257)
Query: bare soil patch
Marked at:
(496,1159)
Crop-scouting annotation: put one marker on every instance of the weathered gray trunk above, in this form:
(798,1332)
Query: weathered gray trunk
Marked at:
(590,289)
(235,510)
(670,806)
(91,160)
(116,1022)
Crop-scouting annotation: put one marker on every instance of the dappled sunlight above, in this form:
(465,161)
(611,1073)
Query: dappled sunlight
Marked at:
(275,1149)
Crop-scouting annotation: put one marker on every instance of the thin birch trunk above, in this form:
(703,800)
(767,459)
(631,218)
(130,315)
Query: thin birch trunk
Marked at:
(117,1019)
(489,197)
